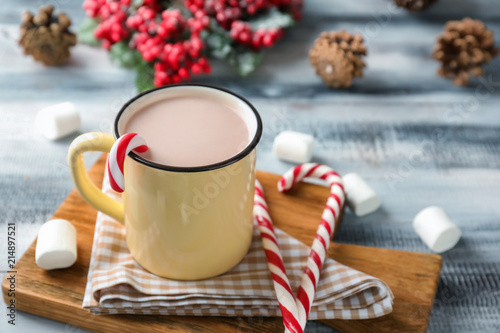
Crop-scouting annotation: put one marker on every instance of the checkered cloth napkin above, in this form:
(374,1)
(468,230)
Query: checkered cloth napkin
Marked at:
(116,283)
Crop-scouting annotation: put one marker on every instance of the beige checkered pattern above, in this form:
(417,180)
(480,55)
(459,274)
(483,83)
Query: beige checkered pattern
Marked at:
(118,284)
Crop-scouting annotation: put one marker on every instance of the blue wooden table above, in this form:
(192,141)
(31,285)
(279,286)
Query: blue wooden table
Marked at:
(416,138)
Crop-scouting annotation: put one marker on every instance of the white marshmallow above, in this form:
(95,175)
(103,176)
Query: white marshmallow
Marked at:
(361,198)
(56,245)
(57,121)
(436,229)
(293,146)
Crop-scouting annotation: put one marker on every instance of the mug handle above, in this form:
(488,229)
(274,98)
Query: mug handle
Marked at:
(93,141)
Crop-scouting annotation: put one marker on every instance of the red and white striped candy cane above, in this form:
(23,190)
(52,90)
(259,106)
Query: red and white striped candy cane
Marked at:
(275,263)
(120,149)
(310,278)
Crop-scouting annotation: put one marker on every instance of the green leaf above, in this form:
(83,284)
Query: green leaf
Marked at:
(121,54)
(221,46)
(137,3)
(246,62)
(218,46)
(272,19)
(145,76)
(86,32)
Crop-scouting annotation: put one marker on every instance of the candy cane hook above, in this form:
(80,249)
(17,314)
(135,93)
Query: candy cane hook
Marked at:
(319,248)
(120,149)
(296,310)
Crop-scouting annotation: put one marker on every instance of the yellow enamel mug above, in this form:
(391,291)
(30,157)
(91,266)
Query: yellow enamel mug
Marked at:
(183,223)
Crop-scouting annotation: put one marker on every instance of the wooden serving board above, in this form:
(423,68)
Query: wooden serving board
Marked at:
(58,295)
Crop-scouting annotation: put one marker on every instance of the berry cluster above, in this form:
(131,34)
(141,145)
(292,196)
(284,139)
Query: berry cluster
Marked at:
(229,14)
(293,6)
(242,32)
(163,37)
(172,40)
(113,15)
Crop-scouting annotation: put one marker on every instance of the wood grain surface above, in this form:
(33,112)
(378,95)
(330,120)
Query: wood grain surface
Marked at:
(413,277)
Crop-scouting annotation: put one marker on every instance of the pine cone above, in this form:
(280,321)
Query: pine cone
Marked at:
(414,5)
(46,37)
(463,48)
(336,55)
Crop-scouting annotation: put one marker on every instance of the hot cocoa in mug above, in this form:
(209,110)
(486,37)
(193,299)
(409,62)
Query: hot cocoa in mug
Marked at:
(188,201)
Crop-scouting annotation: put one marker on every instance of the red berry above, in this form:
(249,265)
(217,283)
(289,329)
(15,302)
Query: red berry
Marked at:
(244,37)
(267,40)
(106,44)
(183,73)
(114,7)
(159,66)
(148,56)
(176,78)
(196,69)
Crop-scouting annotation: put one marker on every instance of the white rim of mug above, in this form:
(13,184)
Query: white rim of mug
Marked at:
(247,150)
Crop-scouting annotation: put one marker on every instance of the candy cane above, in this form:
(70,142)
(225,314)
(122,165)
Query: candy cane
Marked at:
(120,149)
(310,278)
(275,263)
